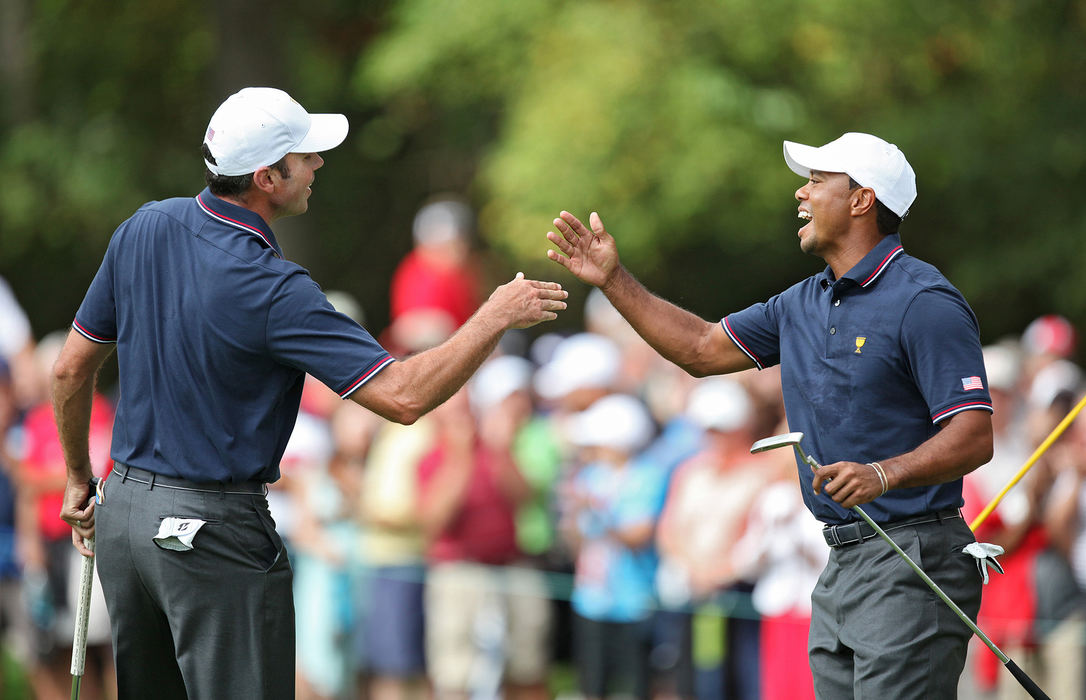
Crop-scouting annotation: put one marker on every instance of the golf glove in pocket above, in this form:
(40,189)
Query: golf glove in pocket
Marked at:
(177,533)
(985,554)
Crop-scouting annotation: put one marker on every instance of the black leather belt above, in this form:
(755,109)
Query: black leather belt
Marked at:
(141,476)
(856,532)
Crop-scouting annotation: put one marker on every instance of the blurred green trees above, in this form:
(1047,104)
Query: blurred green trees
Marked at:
(666,117)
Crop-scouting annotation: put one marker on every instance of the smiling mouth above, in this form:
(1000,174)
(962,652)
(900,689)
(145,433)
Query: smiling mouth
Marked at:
(805,215)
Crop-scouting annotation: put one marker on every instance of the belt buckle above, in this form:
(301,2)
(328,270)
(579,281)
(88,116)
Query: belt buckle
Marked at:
(846,534)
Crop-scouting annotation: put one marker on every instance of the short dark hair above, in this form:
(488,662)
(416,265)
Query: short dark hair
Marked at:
(887,221)
(234,185)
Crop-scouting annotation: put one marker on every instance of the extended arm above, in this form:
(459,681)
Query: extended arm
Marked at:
(404,391)
(73,391)
(698,346)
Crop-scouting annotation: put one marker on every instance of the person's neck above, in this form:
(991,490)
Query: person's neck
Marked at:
(257,205)
(852,250)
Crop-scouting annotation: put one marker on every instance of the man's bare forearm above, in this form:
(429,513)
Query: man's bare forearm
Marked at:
(72,408)
(73,393)
(405,391)
(698,346)
(962,445)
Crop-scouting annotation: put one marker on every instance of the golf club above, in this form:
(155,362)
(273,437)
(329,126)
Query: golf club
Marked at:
(793,440)
(1041,449)
(82,615)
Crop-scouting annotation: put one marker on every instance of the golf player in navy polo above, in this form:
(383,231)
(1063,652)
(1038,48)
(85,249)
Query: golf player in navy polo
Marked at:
(882,371)
(215,330)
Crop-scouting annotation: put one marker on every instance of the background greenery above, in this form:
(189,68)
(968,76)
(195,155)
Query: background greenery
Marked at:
(665,116)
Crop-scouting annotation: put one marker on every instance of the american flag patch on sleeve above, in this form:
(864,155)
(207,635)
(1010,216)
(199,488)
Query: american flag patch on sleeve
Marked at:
(970,383)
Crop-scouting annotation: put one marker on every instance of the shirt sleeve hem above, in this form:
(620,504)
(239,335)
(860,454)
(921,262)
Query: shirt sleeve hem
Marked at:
(739,344)
(91,336)
(968,406)
(366,376)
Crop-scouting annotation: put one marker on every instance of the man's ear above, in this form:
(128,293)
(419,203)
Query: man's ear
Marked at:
(863,201)
(262,179)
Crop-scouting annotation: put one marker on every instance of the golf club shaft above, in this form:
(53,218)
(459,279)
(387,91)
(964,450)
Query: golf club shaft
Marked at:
(1019,675)
(931,584)
(1026,682)
(79,642)
(1041,449)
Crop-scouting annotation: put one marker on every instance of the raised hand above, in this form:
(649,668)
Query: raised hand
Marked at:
(590,254)
(523,303)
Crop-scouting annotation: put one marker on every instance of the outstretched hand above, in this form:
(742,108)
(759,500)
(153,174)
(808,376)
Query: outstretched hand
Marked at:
(590,254)
(524,303)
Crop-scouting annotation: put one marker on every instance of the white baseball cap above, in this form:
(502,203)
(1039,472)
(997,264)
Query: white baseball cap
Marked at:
(257,126)
(867,159)
(1003,365)
(618,421)
(498,379)
(583,360)
(719,404)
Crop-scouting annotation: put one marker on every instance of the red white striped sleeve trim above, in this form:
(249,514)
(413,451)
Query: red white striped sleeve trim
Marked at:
(233,222)
(739,343)
(882,266)
(971,406)
(367,376)
(91,336)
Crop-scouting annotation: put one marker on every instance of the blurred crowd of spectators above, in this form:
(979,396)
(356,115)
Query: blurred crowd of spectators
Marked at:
(580,504)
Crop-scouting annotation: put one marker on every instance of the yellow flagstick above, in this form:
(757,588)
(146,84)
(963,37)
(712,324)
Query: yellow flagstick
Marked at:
(1041,449)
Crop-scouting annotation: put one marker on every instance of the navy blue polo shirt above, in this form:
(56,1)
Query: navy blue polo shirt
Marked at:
(870,365)
(215,332)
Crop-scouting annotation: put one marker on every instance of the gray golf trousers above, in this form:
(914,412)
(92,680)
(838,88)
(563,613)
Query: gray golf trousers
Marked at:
(878,631)
(213,622)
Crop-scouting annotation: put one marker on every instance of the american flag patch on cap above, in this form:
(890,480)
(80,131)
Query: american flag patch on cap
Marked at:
(970,383)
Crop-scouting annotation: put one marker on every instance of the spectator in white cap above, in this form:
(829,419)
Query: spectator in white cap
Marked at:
(609,518)
(882,371)
(215,331)
(1004,364)
(704,516)
(582,368)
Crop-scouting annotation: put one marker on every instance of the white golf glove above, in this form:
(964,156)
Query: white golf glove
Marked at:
(985,554)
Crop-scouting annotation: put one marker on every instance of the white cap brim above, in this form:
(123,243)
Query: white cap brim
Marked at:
(326,131)
(802,159)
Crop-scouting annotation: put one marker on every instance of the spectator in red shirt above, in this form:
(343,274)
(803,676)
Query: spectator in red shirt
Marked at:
(485,622)
(436,285)
(48,559)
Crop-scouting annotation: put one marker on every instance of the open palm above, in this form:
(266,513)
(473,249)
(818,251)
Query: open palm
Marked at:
(590,254)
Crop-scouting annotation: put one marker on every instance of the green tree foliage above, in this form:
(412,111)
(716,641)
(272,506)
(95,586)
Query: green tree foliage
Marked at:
(101,111)
(668,117)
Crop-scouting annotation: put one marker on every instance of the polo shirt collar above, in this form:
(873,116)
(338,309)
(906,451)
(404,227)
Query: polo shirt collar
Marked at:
(243,219)
(870,268)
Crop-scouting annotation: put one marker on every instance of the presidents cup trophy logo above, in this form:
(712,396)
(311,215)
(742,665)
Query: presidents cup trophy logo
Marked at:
(860,340)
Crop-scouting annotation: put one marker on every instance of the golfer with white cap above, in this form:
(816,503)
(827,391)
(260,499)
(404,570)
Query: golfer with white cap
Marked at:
(882,371)
(215,331)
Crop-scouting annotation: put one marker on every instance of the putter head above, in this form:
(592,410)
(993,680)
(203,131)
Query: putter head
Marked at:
(772,443)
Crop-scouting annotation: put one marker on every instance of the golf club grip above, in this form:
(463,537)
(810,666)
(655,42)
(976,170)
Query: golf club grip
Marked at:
(1026,681)
(82,616)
